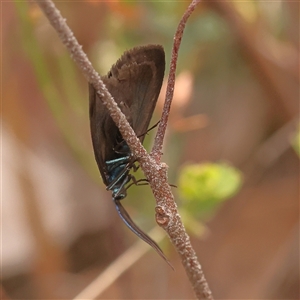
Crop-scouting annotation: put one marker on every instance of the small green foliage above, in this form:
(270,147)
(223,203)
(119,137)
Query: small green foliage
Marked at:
(296,141)
(204,186)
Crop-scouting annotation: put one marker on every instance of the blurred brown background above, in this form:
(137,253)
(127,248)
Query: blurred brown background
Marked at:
(237,99)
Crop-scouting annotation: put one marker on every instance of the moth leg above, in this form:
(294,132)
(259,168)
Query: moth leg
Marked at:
(135,167)
(136,182)
(118,178)
(124,164)
(120,191)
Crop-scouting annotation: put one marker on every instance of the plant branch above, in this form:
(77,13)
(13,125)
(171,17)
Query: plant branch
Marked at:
(80,58)
(167,215)
(159,138)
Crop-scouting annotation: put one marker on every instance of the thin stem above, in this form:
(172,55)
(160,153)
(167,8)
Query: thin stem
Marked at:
(159,138)
(168,217)
(80,58)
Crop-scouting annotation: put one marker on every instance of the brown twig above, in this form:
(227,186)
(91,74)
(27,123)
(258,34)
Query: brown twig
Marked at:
(166,211)
(80,58)
(159,138)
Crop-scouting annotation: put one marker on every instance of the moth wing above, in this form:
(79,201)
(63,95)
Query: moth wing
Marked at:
(139,73)
(102,131)
(135,80)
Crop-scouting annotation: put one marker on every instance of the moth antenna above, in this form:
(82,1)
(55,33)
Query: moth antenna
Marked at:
(136,230)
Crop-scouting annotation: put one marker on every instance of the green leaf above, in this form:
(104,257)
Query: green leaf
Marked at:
(204,186)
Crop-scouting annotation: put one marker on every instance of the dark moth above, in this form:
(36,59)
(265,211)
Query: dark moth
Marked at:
(134,82)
